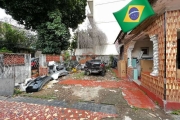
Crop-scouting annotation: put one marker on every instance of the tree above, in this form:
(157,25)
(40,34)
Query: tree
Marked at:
(73,44)
(11,37)
(35,14)
(53,35)
(91,37)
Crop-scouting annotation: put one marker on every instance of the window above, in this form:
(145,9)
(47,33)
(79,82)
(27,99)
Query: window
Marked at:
(145,50)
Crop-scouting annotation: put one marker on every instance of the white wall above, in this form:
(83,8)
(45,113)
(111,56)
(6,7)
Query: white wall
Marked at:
(142,43)
(106,50)
(103,16)
(104,19)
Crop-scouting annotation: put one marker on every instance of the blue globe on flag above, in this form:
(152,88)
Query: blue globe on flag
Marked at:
(133,13)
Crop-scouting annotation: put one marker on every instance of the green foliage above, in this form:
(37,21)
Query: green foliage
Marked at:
(73,44)
(11,38)
(43,96)
(51,19)
(31,13)
(135,108)
(79,75)
(66,56)
(17,91)
(176,112)
(53,35)
(5,50)
(111,57)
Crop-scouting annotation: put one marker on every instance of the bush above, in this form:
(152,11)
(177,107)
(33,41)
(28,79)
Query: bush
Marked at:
(5,50)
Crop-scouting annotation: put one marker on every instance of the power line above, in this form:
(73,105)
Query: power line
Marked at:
(105,22)
(109,2)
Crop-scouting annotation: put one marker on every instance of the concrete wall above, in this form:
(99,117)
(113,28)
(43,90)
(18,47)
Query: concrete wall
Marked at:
(6,87)
(103,16)
(105,21)
(15,67)
(106,50)
(139,45)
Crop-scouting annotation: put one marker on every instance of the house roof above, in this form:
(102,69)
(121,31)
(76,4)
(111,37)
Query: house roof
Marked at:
(159,7)
(120,36)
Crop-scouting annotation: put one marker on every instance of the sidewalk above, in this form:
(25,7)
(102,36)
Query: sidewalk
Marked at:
(28,111)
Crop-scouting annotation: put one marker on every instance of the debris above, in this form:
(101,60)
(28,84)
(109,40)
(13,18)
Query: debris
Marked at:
(123,94)
(152,114)
(113,77)
(66,87)
(50,100)
(37,84)
(56,90)
(27,80)
(160,118)
(113,91)
(127,118)
(22,87)
(78,85)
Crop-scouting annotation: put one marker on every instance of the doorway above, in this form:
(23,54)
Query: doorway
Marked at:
(178,55)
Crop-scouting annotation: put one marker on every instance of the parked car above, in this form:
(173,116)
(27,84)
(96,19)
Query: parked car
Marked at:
(95,66)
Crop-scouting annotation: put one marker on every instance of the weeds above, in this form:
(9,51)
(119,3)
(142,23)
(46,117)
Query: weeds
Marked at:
(41,96)
(79,75)
(17,91)
(176,112)
(135,108)
(156,103)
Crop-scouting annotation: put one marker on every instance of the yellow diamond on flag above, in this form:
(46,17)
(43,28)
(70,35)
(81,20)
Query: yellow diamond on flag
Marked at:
(134,13)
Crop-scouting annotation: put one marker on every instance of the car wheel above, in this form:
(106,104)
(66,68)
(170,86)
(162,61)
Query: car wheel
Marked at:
(102,73)
(88,73)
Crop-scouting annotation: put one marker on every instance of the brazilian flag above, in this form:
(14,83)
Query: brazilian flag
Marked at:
(133,14)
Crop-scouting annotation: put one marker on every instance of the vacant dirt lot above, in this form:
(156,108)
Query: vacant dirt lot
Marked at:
(53,90)
(76,93)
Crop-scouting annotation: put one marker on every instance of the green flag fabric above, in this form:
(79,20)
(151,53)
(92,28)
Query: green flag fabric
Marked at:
(133,14)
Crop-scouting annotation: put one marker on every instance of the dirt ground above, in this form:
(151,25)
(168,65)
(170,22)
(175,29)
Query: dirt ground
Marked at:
(77,93)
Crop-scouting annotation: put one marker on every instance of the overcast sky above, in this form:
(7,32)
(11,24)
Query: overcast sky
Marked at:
(3,14)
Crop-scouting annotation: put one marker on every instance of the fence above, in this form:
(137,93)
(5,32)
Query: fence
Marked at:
(15,66)
(43,61)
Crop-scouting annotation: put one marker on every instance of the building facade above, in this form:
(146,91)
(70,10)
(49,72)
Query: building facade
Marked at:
(104,27)
(154,46)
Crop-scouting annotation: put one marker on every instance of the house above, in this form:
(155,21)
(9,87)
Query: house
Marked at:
(102,29)
(155,44)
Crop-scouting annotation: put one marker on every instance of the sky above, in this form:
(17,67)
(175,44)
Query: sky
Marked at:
(3,14)
(105,15)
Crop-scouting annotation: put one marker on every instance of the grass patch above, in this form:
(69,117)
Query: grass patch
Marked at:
(17,92)
(176,112)
(135,108)
(156,103)
(48,96)
(79,75)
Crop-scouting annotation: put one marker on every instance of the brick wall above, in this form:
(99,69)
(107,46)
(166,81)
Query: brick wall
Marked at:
(13,59)
(53,58)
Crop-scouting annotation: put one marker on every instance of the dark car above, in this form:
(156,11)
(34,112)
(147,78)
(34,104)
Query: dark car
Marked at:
(94,66)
